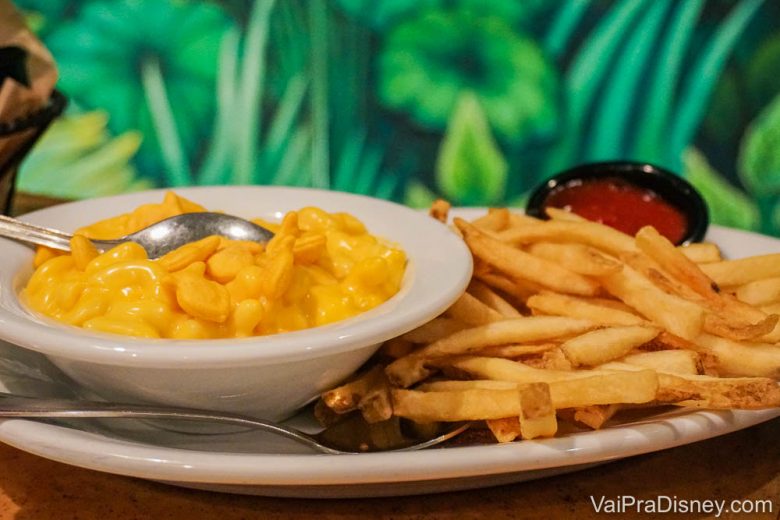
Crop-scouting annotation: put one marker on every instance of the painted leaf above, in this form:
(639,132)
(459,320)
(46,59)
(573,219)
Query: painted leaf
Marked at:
(759,159)
(101,53)
(426,62)
(79,158)
(418,195)
(470,169)
(728,206)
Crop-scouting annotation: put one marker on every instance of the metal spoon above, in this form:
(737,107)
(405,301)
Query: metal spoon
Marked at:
(157,239)
(344,438)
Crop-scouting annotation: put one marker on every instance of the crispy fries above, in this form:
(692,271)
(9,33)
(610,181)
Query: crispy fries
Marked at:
(519,264)
(569,320)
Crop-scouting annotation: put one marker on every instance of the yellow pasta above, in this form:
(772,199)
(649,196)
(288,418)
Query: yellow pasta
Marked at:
(319,268)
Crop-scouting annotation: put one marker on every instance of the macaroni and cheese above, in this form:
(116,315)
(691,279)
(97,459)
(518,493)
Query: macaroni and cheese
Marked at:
(319,268)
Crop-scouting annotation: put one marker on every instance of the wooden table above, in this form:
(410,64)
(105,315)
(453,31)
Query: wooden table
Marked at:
(740,466)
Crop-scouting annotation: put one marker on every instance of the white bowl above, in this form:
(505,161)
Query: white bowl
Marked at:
(267,376)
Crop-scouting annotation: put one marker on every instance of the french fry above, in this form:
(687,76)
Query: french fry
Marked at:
(376,405)
(537,416)
(440,210)
(496,219)
(671,361)
(596,416)
(603,345)
(675,314)
(518,289)
(492,299)
(505,332)
(701,252)
(467,405)
(571,389)
(347,397)
(728,327)
(733,273)
(519,264)
(593,234)
(485,404)
(537,413)
(729,317)
(734,359)
(515,351)
(618,387)
(760,292)
(506,370)
(410,369)
(555,304)
(552,359)
(718,393)
(469,310)
(673,261)
(506,429)
(577,258)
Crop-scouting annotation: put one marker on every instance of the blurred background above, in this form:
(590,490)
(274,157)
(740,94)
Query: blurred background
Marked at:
(475,101)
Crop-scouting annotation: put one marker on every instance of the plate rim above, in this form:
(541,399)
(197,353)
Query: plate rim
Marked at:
(148,461)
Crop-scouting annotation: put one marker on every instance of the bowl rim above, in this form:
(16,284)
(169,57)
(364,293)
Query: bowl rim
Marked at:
(673,188)
(399,314)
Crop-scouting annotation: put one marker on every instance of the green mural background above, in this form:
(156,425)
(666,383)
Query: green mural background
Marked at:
(476,101)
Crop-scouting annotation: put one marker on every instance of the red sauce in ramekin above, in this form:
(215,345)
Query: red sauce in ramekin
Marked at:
(621,205)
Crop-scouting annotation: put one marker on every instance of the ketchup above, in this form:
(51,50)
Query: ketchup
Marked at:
(621,205)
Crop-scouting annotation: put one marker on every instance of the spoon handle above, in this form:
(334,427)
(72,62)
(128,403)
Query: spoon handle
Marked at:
(39,235)
(20,406)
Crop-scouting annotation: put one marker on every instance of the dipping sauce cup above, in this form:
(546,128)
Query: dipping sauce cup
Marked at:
(626,196)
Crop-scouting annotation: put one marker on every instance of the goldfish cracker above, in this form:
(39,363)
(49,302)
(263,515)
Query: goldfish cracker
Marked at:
(319,268)
(224,265)
(289,225)
(253,247)
(248,283)
(315,219)
(202,298)
(309,248)
(279,275)
(350,224)
(191,328)
(190,253)
(278,243)
(246,317)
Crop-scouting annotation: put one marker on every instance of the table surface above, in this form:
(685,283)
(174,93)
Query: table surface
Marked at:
(744,465)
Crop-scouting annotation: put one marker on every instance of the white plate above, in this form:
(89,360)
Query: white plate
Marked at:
(258,464)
